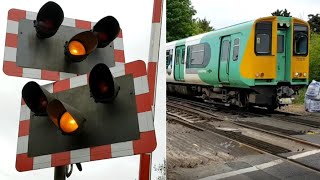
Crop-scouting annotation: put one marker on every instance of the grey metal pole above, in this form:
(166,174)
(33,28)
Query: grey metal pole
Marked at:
(60,173)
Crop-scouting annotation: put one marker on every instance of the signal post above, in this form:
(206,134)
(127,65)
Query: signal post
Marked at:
(78,118)
(154,50)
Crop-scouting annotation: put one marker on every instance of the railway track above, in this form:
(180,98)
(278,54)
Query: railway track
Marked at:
(197,115)
(255,112)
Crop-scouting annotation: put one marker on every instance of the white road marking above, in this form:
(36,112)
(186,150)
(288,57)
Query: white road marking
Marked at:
(260,166)
(245,170)
(304,154)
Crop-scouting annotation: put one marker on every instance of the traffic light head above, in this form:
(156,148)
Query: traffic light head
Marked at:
(80,46)
(36,98)
(100,131)
(43,103)
(49,19)
(65,117)
(102,85)
(106,30)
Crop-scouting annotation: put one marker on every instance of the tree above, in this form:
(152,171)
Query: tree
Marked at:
(180,23)
(203,25)
(284,13)
(314,22)
(277,13)
(179,19)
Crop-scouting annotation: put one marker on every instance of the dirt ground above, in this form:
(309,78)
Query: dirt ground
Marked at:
(297,109)
(194,154)
(191,153)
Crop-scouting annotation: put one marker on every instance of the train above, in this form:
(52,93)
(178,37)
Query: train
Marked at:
(262,62)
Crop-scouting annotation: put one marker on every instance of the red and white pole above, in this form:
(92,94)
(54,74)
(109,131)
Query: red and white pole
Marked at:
(145,167)
(146,159)
(154,48)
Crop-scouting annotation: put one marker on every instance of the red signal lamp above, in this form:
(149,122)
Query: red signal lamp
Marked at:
(103,86)
(36,98)
(106,30)
(49,19)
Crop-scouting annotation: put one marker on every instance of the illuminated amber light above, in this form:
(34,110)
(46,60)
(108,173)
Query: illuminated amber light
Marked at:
(76,48)
(67,123)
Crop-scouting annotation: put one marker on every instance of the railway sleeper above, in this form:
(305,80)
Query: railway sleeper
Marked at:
(238,136)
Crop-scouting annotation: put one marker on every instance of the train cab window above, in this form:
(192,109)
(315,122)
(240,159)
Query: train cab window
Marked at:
(169,54)
(263,38)
(263,43)
(236,44)
(198,56)
(300,40)
(301,44)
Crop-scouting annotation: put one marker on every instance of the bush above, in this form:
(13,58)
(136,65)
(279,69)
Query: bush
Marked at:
(299,99)
(314,67)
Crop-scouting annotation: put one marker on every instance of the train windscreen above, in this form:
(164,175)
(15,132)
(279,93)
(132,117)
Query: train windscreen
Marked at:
(300,40)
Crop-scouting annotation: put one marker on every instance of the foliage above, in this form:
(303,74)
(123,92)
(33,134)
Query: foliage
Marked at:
(161,168)
(179,19)
(314,57)
(314,67)
(314,22)
(299,99)
(284,13)
(203,25)
(180,23)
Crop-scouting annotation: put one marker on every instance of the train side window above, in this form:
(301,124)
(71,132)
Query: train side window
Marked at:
(169,54)
(183,55)
(280,44)
(236,45)
(198,56)
(263,36)
(225,50)
(176,59)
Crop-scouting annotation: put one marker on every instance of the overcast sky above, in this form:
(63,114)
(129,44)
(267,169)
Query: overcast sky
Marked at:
(224,13)
(135,20)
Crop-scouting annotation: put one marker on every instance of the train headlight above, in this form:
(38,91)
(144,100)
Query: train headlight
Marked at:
(304,74)
(259,74)
(296,74)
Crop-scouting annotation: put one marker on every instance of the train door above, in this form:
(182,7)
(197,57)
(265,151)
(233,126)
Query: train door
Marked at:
(179,63)
(224,59)
(281,55)
(169,57)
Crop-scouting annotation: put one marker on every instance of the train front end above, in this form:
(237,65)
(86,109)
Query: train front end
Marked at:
(277,63)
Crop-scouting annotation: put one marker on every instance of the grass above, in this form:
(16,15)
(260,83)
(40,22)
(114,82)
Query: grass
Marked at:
(314,66)
(300,98)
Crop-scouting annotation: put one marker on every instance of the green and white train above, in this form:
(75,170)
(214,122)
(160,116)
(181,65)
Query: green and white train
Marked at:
(263,62)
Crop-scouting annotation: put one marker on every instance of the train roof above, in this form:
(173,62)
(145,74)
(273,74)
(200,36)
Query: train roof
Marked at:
(217,31)
(225,30)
